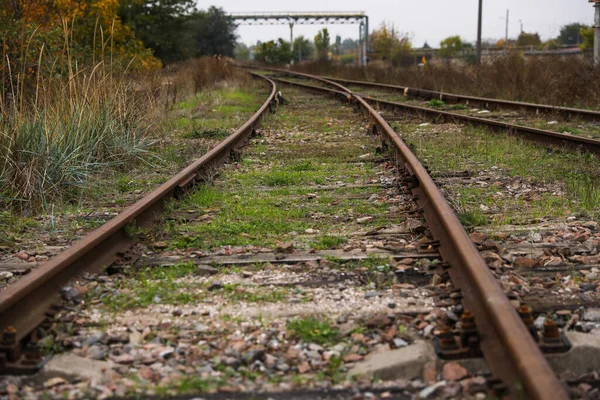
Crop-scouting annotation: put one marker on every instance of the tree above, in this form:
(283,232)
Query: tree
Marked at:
(529,39)
(322,44)
(551,44)
(450,46)
(241,52)
(213,33)
(303,49)
(279,52)
(349,45)
(571,34)
(161,25)
(587,35)
(390,45)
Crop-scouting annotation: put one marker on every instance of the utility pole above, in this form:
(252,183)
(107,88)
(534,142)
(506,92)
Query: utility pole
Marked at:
(506,32)
(596,32)
(479,32)
(360,43)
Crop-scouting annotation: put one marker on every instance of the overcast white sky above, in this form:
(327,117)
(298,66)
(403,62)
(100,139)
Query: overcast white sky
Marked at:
(423,20)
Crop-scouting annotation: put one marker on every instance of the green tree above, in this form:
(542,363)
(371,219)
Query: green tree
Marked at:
(241,52)
(274,52)
(571,34)
(588,38)
(322,43)
(551,44)
(450,46)
(161,25)
(213,33)
(303,49)
(529,39)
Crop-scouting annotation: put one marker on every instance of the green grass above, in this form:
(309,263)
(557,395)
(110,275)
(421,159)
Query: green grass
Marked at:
(572,173)
(125,184)
(281,178)
(263,199)
(12,227)
(313,330)
(51,156)
(328,242)
(250,217)
(303,166)
(436,103)
(148,286)
(473,218)
(211,133)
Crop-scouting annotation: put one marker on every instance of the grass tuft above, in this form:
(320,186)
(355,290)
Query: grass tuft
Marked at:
(312,330)
(436,103)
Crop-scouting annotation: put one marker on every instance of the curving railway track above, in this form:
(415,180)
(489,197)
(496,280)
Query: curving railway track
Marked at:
(482,102)
(378,99)
(491,325)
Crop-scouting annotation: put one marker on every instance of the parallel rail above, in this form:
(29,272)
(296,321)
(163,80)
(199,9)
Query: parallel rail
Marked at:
(511,353)
(25,304)
(541,136)
(489,103)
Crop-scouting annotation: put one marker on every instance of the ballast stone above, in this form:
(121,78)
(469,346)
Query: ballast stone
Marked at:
(407,362)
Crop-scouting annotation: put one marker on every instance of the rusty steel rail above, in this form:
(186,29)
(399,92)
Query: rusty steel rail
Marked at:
(27,303)
(507,345)
(489,103)
(541,136)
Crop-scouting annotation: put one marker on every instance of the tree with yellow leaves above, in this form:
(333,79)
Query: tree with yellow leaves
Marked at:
(391,45)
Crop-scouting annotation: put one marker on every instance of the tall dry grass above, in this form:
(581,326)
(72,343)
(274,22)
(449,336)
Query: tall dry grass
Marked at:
(572,82)
(65,131)
(195,75)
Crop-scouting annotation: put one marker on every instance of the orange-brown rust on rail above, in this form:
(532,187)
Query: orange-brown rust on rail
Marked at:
(541,136)
(566,112)
(27,303)
(511,353)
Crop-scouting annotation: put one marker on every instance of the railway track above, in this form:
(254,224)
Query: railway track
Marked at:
(474,101)
(494,327)
(377,95)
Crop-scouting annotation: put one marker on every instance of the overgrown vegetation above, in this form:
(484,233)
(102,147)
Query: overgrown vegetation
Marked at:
(81,95)
(56,136)
(538,80)
(539,183)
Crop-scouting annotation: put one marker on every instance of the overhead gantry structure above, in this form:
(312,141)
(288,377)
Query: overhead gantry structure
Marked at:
(311,18)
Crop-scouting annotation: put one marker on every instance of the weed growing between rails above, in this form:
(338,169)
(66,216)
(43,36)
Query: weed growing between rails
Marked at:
(506,180)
